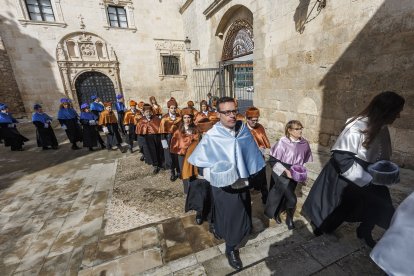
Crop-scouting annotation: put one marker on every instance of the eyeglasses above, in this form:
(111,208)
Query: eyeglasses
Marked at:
(253,121)
(228,112)
(297,128)
(173,108)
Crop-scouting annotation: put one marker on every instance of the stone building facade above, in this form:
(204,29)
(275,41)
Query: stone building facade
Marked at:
(319,61)
(10,93)
(50,58)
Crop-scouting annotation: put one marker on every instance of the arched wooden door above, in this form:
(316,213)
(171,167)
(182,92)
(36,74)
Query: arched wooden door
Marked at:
(94,83)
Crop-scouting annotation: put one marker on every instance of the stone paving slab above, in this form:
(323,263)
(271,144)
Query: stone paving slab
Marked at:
(52,204)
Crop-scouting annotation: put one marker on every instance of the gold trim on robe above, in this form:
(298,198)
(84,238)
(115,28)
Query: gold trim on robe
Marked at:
(145,126)
(259,135)
(168,125)
(107,117)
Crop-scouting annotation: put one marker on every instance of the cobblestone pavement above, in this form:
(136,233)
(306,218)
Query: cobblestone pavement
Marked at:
(140,198)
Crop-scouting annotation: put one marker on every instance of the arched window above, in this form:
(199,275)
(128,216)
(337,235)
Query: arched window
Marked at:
(239,40)
(71,48)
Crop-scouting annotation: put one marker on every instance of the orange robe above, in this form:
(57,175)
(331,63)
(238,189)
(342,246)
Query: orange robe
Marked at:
(131,117)
(107,117)
(259,135)
(145,127)
(212,116)
(181,141)
(168,125)
(188,169)
(157,110)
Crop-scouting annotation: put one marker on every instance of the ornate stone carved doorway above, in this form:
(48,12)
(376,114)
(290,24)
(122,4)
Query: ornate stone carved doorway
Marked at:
(82,52)
(94,83)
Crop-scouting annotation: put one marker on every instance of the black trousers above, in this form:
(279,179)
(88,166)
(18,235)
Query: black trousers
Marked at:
(131,135)
(185,181)
(153,142)
(171,159)
(121,122)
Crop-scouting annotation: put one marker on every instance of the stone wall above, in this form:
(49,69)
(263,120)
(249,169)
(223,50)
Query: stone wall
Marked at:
(32,48)
(9,91)
(321,67)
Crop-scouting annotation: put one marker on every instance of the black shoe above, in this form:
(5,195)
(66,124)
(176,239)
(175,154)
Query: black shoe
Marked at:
(90,149)
(277,219)
(366,236)
(199,219)
(173,177)
(234,259)
(55,147)
(122,149)
(289,219)
(103,146)
(130,150)
(142,158)
(45,148)
(156,170)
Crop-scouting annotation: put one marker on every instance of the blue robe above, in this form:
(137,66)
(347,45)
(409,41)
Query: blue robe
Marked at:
(7,118)
(94,106)
(219,145)
(41,117)
(120,107)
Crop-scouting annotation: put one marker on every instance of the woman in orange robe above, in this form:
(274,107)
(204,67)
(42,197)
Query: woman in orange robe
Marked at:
(199,196)
(182,138)
(130,120)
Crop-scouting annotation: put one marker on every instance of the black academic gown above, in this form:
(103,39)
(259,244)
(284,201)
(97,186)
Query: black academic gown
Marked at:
(91,135)
(333,199)
(73,130)
(45,136)
(12,137)
(276,201)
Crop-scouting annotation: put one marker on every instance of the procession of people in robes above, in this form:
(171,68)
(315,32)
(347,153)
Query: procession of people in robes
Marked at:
(219,156)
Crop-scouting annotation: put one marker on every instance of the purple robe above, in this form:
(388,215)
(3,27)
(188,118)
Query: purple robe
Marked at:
(292,153)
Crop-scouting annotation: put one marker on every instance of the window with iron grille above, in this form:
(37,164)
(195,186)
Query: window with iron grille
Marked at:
(170,65)
(117,17)
(40,10)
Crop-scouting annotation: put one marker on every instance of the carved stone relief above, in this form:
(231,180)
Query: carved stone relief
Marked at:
(86,60)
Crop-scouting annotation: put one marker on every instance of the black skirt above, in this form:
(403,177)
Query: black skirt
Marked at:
(45,136)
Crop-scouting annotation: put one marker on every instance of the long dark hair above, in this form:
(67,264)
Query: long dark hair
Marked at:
(383,109)
(190,126)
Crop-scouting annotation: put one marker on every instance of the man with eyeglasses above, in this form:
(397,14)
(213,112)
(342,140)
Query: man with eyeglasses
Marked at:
(258,181)
(228,156)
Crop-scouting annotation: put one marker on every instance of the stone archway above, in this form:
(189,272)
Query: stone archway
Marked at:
(81,52)
(239,40)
